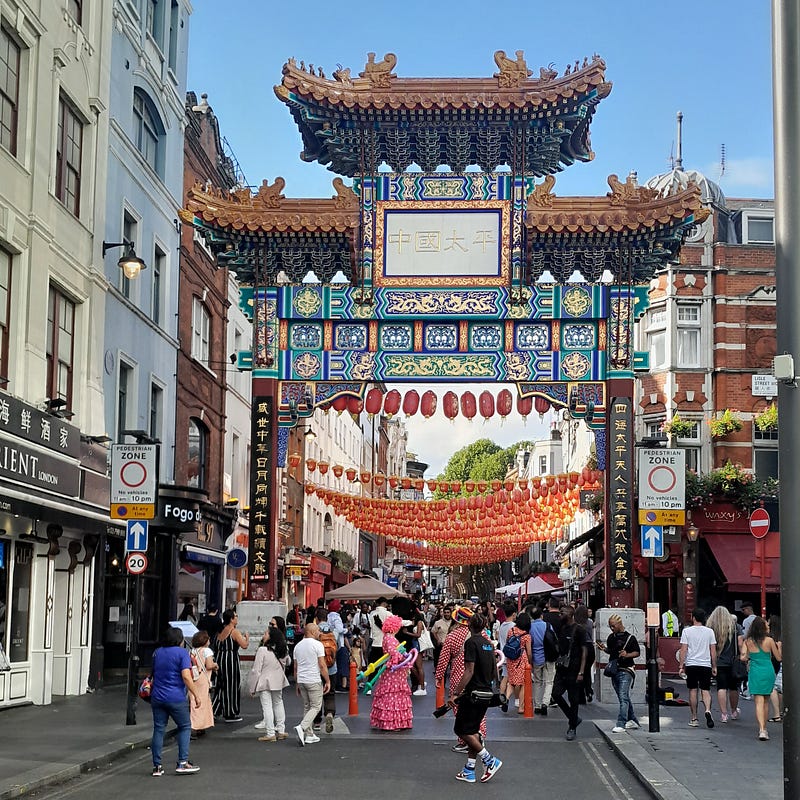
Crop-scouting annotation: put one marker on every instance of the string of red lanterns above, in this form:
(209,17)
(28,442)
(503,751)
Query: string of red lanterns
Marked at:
(467,405)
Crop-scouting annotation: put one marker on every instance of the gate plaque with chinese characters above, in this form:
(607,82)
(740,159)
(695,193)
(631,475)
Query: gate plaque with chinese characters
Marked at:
(262,474)
(620,488)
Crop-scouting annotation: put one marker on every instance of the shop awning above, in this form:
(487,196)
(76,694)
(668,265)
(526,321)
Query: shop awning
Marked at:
(193,552)
(587,579)
(587,536)
(734,554)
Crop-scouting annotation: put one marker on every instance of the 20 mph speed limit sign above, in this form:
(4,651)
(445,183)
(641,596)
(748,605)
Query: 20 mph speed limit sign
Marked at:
(136,563)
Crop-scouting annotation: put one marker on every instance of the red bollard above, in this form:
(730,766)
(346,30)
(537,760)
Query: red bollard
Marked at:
(527,688)
(353,710)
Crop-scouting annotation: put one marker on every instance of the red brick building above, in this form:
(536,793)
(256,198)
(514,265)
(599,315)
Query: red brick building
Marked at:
(710,332)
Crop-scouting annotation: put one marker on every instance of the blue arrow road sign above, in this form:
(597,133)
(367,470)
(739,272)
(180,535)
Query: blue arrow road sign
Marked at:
(652,541)
(136,536)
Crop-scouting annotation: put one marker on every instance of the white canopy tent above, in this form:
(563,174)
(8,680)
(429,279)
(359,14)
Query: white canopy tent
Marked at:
(534,585)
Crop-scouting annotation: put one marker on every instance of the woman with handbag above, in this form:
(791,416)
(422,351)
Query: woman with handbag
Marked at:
(622,649)
(730,670)
(268,680)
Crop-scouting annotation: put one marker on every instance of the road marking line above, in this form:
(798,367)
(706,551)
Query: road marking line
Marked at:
(605,773)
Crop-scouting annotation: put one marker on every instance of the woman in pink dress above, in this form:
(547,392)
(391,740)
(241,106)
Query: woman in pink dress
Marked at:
(391,699)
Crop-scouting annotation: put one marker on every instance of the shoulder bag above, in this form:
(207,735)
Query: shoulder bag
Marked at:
(425,641)
(612,668)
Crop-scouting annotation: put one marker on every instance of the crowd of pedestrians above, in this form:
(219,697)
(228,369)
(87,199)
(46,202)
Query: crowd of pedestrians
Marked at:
(483,655)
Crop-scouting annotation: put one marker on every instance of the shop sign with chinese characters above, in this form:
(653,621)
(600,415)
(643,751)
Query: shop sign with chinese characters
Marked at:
(620,488)
(261,477)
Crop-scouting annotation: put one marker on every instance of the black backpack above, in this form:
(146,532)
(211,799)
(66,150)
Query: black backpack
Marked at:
(550,644)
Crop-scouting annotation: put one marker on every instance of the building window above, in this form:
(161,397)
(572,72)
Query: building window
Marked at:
(21,590)
(692,458)
(156,411)
(174,27)
(124,397)
(201,327)
(159,265)
(130,232)
(9,91)
(657,337)
(75,8)
(68,157)
(688,336)
(198,449)
(765,453)
(60,346)
(759,229)
(154,20)
(542,465)
(5,314)
(235,466)
(148,130)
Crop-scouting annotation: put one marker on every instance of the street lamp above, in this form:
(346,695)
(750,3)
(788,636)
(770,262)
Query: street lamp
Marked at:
(692,532)
(130,264)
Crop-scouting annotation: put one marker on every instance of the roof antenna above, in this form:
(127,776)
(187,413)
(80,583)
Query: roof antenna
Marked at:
(721,160)
(679,147)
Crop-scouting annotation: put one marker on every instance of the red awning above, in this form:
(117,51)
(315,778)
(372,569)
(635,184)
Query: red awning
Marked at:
(587,579)
(552,578)
(735,554)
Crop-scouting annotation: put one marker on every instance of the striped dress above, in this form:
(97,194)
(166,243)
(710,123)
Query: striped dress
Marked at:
(226,699)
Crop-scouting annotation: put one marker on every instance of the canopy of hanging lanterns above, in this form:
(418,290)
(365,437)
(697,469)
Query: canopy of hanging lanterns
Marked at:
(461,530)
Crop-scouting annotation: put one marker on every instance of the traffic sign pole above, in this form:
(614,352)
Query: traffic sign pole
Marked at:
(759,527)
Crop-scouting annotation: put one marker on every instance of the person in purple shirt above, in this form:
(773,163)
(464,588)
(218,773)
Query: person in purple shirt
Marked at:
(172,677)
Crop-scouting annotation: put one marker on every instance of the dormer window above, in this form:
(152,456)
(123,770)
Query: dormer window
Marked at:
(758,228)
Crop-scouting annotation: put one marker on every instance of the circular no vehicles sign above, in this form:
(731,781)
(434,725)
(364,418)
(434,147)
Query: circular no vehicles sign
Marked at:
(662,479)
(134,477)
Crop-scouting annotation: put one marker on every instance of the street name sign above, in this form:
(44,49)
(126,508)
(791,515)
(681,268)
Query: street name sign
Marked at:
(662,479)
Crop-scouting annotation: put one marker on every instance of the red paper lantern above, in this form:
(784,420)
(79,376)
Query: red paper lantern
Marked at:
(391,403)
(450,405)
(294,460)
(486,402)
(411,403)
(355,405)
(340,403)
(365,476)
(374,401)
(542,405)
(433,485)
(468,405)
(505,403)
(524,406)
(323,467)
(311,464)
(428,404)
(337,470)
(351,474)
(379,479)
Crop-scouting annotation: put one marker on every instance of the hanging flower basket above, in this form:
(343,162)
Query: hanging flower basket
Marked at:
(725,423)
(678,428)
(767,420)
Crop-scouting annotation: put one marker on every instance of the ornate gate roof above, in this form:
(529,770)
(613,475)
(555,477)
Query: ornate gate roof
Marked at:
(353,124)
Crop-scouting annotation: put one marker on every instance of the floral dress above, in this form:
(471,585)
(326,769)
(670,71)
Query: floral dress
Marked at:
(516,668)
(391,699)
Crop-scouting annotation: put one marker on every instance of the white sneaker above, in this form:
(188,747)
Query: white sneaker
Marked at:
(260,726)
(421,692)
(313,739)
(301,735)
(516,703)
(617,729)
(631,725)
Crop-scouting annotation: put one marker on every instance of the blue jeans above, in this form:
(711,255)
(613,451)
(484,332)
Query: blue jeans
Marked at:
(161,714)
(622,683)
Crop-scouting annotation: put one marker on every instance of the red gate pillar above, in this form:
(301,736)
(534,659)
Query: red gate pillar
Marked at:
(264,500)
(621,524)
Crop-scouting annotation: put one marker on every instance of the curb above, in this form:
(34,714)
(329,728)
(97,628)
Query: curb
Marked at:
(42,777)
(660,783)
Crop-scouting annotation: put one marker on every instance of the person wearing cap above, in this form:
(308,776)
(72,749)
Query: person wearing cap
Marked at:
(452,656)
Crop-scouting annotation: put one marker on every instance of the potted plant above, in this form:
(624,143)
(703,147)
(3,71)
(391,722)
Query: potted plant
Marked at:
(767,420)
(677,427)
(730,483)
(723,424)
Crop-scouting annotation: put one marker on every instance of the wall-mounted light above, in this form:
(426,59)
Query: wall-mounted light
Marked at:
(89,439)
(309,434)
(57,406)
(142,437)
(130,264)
(692,532)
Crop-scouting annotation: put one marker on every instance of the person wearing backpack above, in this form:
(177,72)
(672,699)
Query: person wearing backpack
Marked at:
(330,644)
(518,648)
(544,646)
(570,669)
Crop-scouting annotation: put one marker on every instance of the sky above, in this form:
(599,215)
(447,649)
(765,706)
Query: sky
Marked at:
(710,60)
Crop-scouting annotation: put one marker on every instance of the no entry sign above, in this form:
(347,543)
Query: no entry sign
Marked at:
(759,523)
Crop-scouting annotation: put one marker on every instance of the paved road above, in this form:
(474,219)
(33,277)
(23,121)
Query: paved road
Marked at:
(395,767)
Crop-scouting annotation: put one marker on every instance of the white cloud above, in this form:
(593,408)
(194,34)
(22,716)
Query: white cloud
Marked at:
(433,441)
(743,174)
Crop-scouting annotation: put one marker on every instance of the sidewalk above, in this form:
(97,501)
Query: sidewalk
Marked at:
(43,745)
(683,763)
